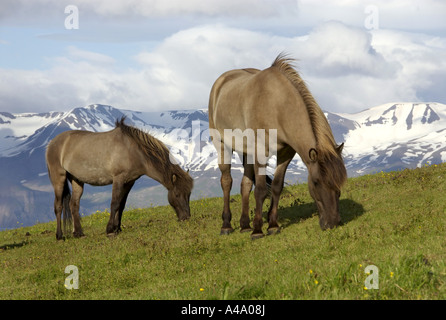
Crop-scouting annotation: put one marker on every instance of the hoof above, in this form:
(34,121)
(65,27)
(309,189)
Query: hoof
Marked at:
(256,236)
(111,235)
(226,231)
(274,230)
(78,235)
(246,230)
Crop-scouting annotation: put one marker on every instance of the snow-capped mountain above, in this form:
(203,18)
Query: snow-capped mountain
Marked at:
(396,135)
(387,137)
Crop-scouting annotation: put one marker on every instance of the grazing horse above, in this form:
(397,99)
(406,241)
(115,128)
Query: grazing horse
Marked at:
(117,157)
(275,100)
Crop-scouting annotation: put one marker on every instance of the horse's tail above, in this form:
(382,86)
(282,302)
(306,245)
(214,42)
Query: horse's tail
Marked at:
(66,212)
(269,182)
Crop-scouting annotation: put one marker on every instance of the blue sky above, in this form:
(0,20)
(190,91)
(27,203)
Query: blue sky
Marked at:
(159,55)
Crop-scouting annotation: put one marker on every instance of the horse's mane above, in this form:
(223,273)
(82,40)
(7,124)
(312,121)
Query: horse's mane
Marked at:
(158,154)
(329,155)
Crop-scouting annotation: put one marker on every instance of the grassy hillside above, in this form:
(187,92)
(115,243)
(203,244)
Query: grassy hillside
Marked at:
(395,221)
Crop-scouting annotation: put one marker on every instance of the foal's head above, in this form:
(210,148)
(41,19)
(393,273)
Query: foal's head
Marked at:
(325,178)
(179,194)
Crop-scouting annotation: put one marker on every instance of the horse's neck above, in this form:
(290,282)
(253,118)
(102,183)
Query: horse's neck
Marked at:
(302,143)
(155,173)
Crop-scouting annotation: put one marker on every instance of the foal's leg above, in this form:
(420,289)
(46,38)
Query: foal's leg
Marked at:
(119,192)
(126,190)
(78,189)
(114,207)
(246,187)
(58,179)
(58,203)
(260,193)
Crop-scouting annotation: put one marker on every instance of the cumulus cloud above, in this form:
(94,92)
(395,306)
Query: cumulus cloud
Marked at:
(190,61)
(334,49)
(347,69)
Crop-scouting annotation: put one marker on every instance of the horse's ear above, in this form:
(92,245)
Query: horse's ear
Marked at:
(340,148)
(313,154)
(174,178)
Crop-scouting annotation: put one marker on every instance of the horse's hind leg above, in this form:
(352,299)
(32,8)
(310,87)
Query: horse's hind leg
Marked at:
(58,206)
(58,180)
(246,187)
(226,185)
(78,189)
(260,193)
(224,164)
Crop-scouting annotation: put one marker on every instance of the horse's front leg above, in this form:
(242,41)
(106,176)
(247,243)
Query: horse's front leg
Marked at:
(126,190)
(276,190)
(120,192)
(117,195)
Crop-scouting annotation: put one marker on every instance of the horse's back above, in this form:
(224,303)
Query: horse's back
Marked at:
(253,99)
(65,140)
(92,157)
(54,150)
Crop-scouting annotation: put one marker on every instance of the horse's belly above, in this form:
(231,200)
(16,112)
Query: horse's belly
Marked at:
(90,170)
(93,176)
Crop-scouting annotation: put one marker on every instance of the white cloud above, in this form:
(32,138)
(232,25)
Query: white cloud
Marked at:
(347,69)
(43,11)
(154,8)
(190,61)
(410,15)
(334,49)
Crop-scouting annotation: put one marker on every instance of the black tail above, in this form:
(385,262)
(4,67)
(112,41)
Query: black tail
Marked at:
(269,182)
(66,212)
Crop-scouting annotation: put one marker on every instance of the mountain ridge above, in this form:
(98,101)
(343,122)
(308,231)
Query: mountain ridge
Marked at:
(387,137)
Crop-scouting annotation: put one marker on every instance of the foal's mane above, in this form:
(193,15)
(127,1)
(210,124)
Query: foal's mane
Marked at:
(329,155)
(158,154)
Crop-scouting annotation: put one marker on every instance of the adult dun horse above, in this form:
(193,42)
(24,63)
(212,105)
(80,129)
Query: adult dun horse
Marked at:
(274,99)
(117,157)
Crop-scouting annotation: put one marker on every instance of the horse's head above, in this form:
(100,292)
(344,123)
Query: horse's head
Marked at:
(179,196)
(325,187)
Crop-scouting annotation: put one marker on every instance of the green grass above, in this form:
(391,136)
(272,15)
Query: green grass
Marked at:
(395,221)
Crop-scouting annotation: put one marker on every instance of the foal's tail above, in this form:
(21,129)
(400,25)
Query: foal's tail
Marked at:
(66,212)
